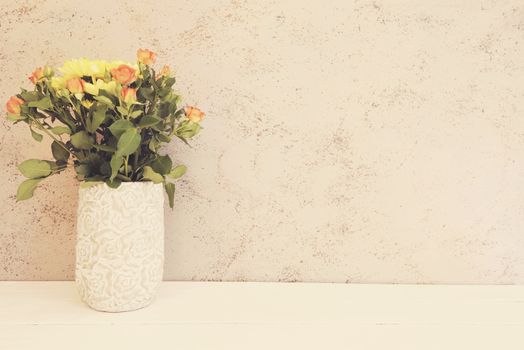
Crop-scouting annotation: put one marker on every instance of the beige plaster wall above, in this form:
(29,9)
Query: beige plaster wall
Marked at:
(348,141)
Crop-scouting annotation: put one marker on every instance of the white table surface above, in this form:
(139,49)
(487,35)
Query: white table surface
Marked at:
(212,315)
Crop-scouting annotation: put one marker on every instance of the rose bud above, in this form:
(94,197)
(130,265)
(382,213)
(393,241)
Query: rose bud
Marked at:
(146,56)
(39,73)
(164,72)
(194,114)
(124,74)
(36,75)
(128,95)
(13,105)
(75,85)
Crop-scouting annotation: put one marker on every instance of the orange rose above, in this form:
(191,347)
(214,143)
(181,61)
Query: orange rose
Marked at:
(124,74)
(75,85)
(37,75)
(128,95)
(194,114)
(145,56)
(164,72)
(13,105)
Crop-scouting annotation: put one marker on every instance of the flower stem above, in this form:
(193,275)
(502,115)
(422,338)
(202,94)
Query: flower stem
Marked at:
(126,160)
(122,177)
(135,159)
(41,127)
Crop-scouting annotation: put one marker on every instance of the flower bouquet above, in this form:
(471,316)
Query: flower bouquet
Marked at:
(108,120)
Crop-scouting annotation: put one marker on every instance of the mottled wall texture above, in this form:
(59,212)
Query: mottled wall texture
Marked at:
(345,141)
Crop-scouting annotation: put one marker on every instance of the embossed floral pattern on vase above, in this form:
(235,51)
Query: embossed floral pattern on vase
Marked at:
(120,245)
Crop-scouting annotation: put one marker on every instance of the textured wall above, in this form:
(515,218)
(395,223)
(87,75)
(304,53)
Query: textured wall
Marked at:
(358,141)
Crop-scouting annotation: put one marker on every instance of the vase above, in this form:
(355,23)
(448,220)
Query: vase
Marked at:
(120,245)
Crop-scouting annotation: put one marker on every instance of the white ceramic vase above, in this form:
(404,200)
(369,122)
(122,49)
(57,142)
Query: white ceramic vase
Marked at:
(120,245)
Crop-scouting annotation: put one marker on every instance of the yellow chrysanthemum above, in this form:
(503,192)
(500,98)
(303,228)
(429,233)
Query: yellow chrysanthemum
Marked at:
(93,89)
(58,83)
(83,67)
(87,104)
(90,68)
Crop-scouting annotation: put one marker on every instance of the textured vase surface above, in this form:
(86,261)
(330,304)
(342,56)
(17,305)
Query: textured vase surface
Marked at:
(120,245)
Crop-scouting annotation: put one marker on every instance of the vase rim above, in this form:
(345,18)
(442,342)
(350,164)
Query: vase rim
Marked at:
(124,184)
(137,183)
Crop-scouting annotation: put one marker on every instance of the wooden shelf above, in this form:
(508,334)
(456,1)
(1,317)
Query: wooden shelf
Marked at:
(213,315)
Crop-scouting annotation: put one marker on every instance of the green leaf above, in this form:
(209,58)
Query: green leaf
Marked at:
(164,109)
(59,130)
(57,166)
(163,138)
(35,168)
(122,110)
(116,163)
(162,165)
(111,141)
(169,82)
(128,142)
(29,96)
(178,172)
(120,126)
(148,121)
(44,103)
(99,116)
(105,100)
(82,140)
(181,112)
(26,189)
(170,190)
(59,153)
(105,168)
(38,137)
(135,114)
(113,183)
(82,169)
(15,117)
(153,145)
(103,92)
(24,109)
(105,148)
(165,93)
(87,184)
(150,174)
(146,93)
(188,130)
